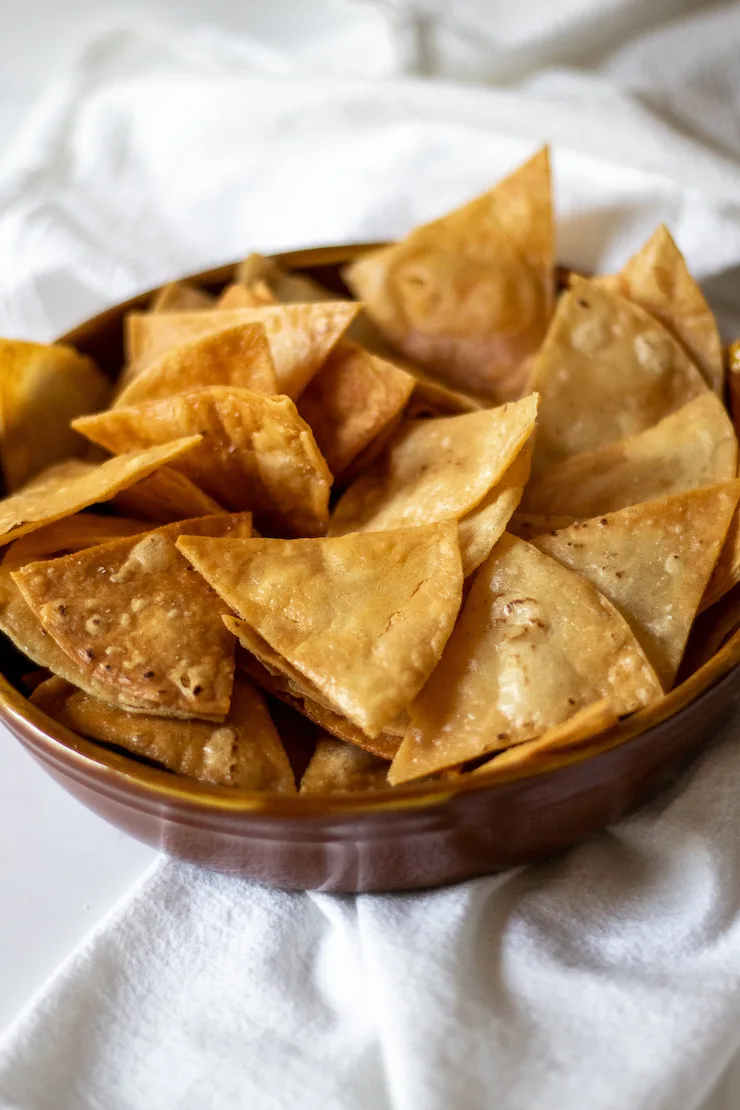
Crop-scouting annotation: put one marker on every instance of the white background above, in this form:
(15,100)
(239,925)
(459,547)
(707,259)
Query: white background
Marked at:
(61,867)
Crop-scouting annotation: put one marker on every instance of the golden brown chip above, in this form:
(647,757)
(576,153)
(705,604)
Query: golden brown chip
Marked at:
(244,751)
(363,617)
(653,562)
(300,335)
(256,452)
(350,401)
(534,644)
(138,621)
(480,529)
(257,273)
(606,370)
(733,364)
(238,357)
(431,398)
(528,525)
(726,573)
(67,487)
(180,296)
(41,389)
(710,631)
(166,496)
(237,295)
(559,745)
(695,446)
(469,295)
(339,768)
(275,674)
(658,280)
(436,469)
(17,621)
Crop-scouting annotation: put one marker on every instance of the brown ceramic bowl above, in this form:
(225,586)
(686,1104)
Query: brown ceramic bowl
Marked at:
(416,836)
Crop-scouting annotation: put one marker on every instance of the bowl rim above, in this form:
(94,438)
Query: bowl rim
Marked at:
(63,746)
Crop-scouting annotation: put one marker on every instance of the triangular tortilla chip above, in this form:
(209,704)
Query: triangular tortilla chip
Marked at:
(67,487)
(432,398)
(339,768)
(180,296)
(275,675)
(256,452)
(653,562)
(559,745)
(17,621)
(41,389)
(658,280)
(245,751)
(695,446)
(469,295)
(237,295)
(364,617)
(350,401)
(733,366)
(238,357)
(606,370)
(527,525)
(166,496)
(257,273)
(300,336)
(711,630)
(534,644)
(436,469)
(481,528)
(726,573)
(134,617)
(278,677)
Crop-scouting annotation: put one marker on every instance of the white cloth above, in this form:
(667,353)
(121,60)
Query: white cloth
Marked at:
(607,979)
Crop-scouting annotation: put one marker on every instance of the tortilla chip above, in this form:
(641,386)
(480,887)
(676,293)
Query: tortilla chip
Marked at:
(238,357)
(653,562)
(693,447)
(432,398)
(256,452)
(528,525)
(243,296)
(367,456)
(275,675)
(658,280)
(733,365)
(534,644)
(166,496)
(726,573)
(17,621)
(135,618)
(180,296)
(469,296)
(67,487)
(606,370)
(350,401)
(436,470)
(41,389)
(556,747)
(257,272)
(363,617)
(300,336)
(338,768)
(711,630)
(245,751)
(481,528)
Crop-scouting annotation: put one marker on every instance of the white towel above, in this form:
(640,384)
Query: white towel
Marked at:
(605,980)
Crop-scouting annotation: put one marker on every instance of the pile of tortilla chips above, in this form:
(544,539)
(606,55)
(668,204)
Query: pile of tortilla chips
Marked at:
(461,525)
